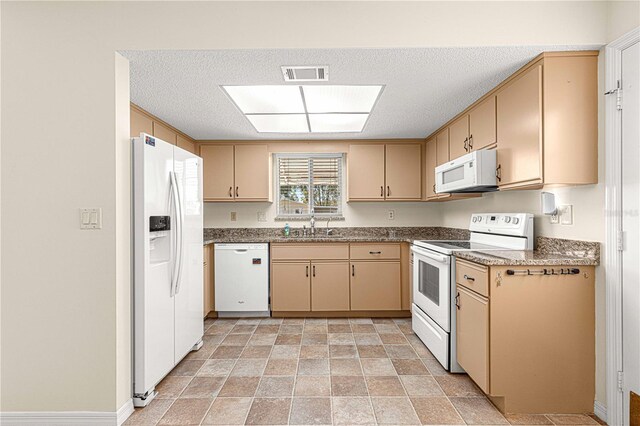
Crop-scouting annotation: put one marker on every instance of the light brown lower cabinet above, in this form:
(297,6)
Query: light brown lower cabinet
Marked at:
(375,286)
(208,288)
(330,286)
(472,336)
(291,286)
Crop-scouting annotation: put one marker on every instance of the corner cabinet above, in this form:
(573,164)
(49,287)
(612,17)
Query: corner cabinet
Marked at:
(239,172)
(385,172)
(143,122)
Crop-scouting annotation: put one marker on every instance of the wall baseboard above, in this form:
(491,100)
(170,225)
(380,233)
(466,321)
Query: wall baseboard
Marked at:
(600,410)
(55,418)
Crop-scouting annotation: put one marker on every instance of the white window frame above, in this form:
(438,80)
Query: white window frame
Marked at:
(276,166)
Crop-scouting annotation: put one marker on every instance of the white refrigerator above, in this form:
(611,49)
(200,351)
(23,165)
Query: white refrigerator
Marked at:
(168,264)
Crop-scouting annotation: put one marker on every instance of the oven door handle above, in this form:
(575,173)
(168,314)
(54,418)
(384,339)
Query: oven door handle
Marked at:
(429,255)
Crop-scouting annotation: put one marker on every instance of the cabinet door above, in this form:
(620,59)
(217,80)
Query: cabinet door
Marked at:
(375,286)
(519,130)
(482,124)
(217,172)
(161,131)
(209,304)
(140,123)
(366,172)
(459,137)
(430,164)
(186,144)
(472,336)
(403,172)
(330,286)
(291,286)
(252,174)
(442,147)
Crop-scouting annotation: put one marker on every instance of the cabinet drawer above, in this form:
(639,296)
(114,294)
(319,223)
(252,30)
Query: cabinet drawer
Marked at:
(473,276)
(294,251)
(375,251)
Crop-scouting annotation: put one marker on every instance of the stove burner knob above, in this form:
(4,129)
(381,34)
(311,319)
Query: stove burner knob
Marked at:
(515,220)
(507,219)
(475,219)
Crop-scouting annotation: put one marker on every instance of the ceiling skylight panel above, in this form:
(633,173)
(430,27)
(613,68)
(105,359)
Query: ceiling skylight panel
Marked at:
(279,123)
(332,98)
(266,99)
(337,123)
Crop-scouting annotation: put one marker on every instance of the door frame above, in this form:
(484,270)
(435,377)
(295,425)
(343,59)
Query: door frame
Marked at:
(613,413)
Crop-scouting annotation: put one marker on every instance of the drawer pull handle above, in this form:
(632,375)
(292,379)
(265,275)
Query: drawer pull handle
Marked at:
(314,270)
(307,273)
(382,191)
(237,192)
(458,301)
(230,191)
(468,278)
(375,252)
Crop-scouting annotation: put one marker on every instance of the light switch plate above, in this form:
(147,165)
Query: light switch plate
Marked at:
(262,216)
(90,218)
(234,216)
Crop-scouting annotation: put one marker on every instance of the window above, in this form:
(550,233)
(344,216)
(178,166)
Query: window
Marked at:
(308,184)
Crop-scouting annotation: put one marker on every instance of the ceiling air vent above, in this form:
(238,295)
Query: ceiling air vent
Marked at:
(306,73)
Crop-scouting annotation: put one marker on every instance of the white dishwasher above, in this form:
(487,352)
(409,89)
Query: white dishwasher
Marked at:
(242,279)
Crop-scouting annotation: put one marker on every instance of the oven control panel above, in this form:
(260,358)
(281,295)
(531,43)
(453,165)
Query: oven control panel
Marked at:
(518,224)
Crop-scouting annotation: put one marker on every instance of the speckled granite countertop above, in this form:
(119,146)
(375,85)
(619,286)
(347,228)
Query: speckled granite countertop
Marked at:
(340,235)
(549,251)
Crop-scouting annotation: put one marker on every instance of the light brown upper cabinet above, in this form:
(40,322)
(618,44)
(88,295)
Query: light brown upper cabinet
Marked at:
(236,172)
(385,172)
(140,123)
(163,132)
(430,167)
(482,125)
(442,147)
(459,137)
(186,144)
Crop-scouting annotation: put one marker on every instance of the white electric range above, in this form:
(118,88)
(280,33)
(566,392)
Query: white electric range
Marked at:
(434,286)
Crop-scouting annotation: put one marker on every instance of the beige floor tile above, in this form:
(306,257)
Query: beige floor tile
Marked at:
(275,386)
(217,367)
(203,353)
(293,321)
(352,411)
(262,351)
(340,339)
(248,321)
(314,351)
(249,367)
(410,367)
(434,367)
(291,329)
(363,328)
(393,339)
(394,411)
(189,411)
(315,328)
(345,367)
(458,385)
(203,387)
(269,411)
(382,320)
(172,386)
(151,414)
(338,321)
(262,339)
(219,329)
(235,340)
(316,321)
(372,351)
(400,351)
(281,367)
(288,339)
(421,386)
(360,320)
(267,329)
(571,419)
(187,367)
(243,329)
(421,350)
(528,419)
(339,328)
(239,386)
(367,339)
(405,328)
(310,411)
(436,411)
(342,351)
(348,386)
(386,328)
(272,321)
(214,339)
(313,386)
(314,338)
(228,411)
(227,352)
(385,386)
(285,351)
(377,367)
(478,411)
(313,367)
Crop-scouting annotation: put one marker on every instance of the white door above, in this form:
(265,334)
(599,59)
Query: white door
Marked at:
(189,326)
(630,224)
(153,263)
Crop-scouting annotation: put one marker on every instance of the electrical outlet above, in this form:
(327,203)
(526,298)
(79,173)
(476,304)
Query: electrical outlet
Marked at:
(262,217)
(391,215)
(555,218)
(566,214)
(234,216)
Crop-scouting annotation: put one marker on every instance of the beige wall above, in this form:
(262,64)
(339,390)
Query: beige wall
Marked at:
(622,17)
(63,345)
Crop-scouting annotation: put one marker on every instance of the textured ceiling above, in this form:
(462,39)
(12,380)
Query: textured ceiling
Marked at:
(424,88)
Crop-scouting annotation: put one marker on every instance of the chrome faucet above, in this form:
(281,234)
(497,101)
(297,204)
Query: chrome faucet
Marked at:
(312,226)
(329,231)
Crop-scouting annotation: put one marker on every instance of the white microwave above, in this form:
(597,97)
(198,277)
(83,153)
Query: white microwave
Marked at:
(473,172)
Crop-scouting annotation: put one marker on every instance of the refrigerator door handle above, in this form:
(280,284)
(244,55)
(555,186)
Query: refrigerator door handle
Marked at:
(181,231)
(175,201)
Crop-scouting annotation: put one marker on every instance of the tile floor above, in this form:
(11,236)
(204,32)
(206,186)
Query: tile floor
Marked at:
(318,372)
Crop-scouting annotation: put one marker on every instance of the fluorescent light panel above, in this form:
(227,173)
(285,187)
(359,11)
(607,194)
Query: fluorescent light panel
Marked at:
(329,108)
